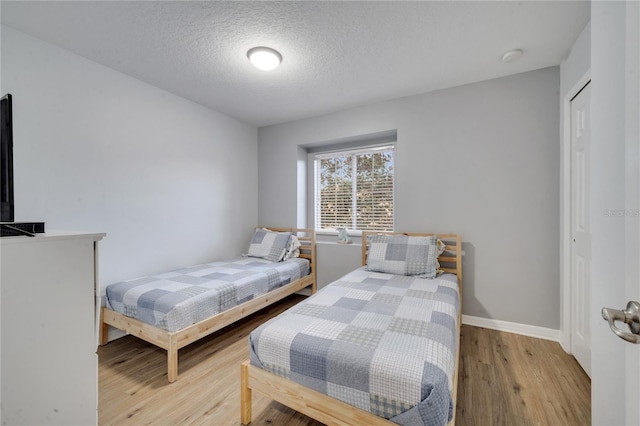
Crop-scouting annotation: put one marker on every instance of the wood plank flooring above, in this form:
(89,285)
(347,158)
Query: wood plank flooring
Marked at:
(508,379)
(504,379)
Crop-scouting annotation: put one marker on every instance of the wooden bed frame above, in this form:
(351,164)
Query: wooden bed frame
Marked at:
(173,341)
(324,408)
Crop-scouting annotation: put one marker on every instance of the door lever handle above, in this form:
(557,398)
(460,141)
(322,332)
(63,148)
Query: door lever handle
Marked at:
(630,316)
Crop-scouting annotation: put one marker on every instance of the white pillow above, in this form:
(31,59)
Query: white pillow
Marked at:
(293,249)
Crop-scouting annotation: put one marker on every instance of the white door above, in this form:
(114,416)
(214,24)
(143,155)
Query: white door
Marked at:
(615,199)
(580,231)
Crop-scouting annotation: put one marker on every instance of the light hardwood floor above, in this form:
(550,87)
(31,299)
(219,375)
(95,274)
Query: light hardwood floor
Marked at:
(505,379)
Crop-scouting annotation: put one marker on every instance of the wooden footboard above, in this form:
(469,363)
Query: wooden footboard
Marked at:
(173,341)
(307,401)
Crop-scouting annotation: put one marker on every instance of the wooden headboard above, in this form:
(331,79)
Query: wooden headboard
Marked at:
(450,260)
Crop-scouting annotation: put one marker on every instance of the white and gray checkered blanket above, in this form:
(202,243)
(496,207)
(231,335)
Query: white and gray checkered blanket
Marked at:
(177,299)
(383,343)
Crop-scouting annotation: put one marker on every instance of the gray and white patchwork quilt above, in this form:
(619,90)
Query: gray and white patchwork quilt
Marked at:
(177,299)
(380,342)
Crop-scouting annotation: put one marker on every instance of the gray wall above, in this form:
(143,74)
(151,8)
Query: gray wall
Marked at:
(577,62)
(481,160)
(336,260)
(171,183)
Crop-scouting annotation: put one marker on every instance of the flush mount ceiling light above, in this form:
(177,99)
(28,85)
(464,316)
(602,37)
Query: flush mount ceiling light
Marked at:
(264,58)
(512,55)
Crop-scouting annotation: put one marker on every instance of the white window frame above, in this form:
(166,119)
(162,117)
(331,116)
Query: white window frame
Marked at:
(316,182)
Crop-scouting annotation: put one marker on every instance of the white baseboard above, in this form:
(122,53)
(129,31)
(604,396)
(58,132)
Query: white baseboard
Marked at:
(509,327)
(513,327)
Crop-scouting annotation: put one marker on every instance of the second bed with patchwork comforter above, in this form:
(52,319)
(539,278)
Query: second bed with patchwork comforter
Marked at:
(384,343)
(177,299)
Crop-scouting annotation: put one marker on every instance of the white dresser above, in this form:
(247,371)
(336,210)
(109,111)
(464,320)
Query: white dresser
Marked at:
(49,365)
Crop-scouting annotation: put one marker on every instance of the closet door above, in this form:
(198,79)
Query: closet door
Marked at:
(580,228)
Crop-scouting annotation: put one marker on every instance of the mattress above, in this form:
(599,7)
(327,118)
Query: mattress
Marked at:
(180,298)
(384,343)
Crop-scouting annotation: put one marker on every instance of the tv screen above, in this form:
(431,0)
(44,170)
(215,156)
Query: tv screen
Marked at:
(6,162)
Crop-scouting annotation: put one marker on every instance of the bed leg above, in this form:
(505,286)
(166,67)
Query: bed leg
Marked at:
(172,360)
(104,329)
(245,394)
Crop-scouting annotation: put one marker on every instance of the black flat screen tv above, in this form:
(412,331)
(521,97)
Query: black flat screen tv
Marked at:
(6,162)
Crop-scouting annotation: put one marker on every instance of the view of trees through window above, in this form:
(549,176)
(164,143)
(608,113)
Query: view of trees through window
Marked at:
(355,190)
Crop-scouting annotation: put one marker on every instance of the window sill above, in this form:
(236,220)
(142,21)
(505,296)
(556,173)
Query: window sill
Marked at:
(335,243)
(352,232)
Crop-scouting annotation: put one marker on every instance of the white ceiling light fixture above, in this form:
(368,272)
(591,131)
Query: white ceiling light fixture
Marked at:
(264,58)
(512,55)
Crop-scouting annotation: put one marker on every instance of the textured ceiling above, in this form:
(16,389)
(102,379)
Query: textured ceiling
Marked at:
(336,54)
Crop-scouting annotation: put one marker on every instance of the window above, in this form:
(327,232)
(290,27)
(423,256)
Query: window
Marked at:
(354,189)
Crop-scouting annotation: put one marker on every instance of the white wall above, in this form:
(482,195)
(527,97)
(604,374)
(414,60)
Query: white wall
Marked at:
(171,183)
(481,160)
(335,260)
(577,62)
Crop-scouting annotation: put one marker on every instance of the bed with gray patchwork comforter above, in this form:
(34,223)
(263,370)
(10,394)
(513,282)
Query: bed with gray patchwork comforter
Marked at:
(384,343)
(177,299)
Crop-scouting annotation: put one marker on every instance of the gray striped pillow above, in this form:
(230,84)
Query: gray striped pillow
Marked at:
(403,255)
(269,245)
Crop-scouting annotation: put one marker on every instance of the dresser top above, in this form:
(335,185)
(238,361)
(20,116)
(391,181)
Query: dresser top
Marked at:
(53,235)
